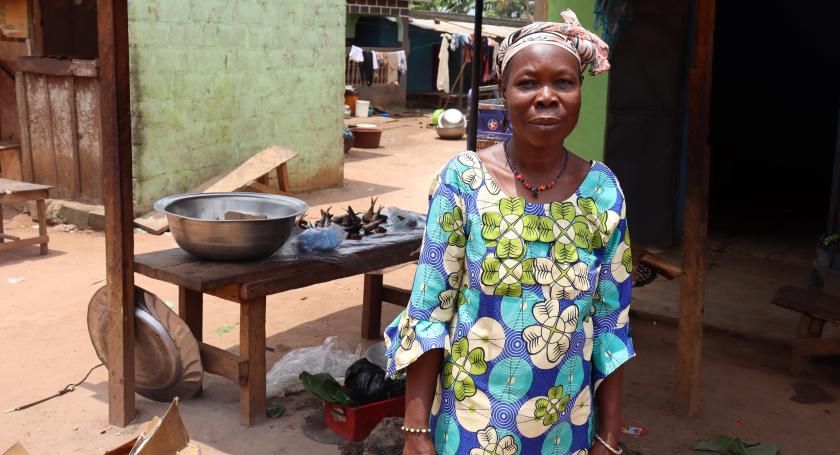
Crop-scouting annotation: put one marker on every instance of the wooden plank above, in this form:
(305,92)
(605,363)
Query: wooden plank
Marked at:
(230,180)
(23,120)
(5,236)
(395,296)
(23,196)
(10,163)
(813,347)
(191,310)
(36,30)
(274,274)
(40,132)
(59,66)
(62,98)
(90,148)
(112,29)
(696,215)
(223,363)
(252,347)
(8,186)
(808,301)
(372,306)
(24,242)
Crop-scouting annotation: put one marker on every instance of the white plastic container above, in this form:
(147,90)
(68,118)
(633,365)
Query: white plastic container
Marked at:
(362,108)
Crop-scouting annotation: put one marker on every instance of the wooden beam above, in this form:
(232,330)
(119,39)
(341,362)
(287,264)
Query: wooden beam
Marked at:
(58,66)
(541,10)
(696,214)
(372,306)
(225,364)
(112,27)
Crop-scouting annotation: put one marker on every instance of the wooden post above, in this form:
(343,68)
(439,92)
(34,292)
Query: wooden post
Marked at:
(252,348)
(372,307)
(541,11)
(112,26)
(696,215)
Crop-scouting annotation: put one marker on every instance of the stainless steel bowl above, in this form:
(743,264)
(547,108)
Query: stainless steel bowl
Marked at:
(198,223)
(451,133)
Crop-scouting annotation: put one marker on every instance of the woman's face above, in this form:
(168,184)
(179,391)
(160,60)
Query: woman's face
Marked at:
(542,93)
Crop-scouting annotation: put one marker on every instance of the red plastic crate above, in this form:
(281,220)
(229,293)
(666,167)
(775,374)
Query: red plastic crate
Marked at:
(355,424)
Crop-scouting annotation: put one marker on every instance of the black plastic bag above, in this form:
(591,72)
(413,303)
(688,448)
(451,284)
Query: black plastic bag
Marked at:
(365,382)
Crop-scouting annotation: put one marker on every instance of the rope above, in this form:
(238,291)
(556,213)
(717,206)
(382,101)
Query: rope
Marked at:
(67,389)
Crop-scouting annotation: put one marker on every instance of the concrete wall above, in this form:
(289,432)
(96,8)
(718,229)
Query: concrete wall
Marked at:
(214,82)
(587,140)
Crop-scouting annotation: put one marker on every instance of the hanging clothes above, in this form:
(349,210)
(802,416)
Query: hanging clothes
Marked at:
(443,65)
(367,67)
(402,67)
(377,56)
(392,63)
(356,54)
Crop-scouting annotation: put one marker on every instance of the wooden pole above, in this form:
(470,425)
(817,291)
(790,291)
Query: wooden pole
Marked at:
(696,215)
(540,10)
(112,26)
(477,70)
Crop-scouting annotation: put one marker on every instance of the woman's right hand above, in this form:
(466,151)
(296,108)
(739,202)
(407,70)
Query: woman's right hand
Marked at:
(418,444)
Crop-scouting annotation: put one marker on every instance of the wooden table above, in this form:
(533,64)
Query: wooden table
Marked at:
(15,191)
(249,283)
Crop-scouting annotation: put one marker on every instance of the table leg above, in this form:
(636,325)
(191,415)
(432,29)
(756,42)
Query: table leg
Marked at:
(191,310)
(252,348)
(809,327)
(372,307)
(42,224)
(1,223)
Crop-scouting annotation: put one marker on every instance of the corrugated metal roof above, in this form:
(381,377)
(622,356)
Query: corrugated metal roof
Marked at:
(444,26)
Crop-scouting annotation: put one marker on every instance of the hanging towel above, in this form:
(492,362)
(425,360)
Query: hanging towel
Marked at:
(356,54)
(443,65)
(376,57)
(392,63)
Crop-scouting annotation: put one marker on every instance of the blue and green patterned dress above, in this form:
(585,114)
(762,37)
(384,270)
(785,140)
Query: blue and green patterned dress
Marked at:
(530,302)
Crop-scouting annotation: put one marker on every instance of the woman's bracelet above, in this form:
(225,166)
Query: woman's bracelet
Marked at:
(617,451)
(415,430)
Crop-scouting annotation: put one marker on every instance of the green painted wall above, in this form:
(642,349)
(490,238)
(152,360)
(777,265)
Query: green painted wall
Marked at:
(214,82)
(587,140)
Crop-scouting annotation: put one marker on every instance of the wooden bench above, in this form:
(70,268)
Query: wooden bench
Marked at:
(15,191)
(816,309)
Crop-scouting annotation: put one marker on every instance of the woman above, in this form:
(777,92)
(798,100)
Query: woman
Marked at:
(517,326)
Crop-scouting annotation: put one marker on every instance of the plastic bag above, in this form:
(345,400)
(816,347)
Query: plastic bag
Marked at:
(402,219)
(365,382)
(333,357)
(319,239)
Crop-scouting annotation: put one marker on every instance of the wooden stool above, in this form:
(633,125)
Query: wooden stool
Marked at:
(816,308)
(15,191)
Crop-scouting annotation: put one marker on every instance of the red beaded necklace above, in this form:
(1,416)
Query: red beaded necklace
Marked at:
(535,189)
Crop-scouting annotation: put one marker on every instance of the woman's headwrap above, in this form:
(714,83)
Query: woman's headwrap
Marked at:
(586,46)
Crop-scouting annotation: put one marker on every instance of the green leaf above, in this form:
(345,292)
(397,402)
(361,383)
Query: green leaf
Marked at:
(512,206)
(546,229)
(465,388)
(510,290)
(447,222)
(457,213)
(460,348)
(563,211)
(597,241)
(541,408)
(565,253)
(510,248)
(555,392)
(582,234)
(587,206)
(490,224)
(722,444)
(448,378)
(550,419)
(490,271)
(325,387)
(457,239)
(528,272)
(627,260)
(530,228)
(477,363)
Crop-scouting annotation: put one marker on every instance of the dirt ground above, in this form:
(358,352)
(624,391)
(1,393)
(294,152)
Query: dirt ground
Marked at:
(746,390)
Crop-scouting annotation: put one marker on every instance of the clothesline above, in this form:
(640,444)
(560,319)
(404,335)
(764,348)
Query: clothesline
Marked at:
(451,42)
(395,62)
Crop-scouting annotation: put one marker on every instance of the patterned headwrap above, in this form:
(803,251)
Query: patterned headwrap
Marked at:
(586,46)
